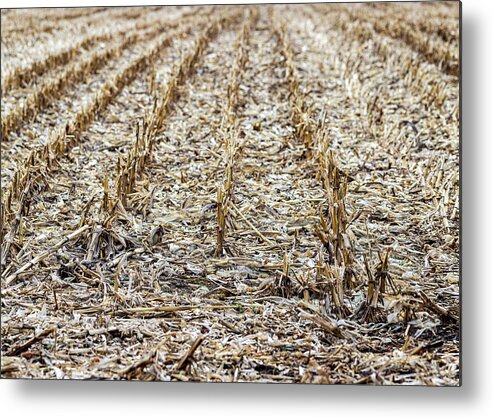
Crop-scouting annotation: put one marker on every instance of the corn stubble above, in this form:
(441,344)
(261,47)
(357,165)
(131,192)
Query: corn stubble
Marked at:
(229,130)
(249,197)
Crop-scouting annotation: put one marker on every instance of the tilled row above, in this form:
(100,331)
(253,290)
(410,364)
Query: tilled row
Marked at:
(182,169)
(47,92)
(337,273)
(433,90)
(231,149)
(23,19)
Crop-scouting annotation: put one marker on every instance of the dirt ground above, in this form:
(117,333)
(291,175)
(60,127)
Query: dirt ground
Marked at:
(232,193)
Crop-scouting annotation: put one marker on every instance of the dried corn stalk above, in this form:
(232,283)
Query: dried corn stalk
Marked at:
(229,129)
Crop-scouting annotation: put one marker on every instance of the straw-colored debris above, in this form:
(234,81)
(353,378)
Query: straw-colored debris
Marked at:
(231,194)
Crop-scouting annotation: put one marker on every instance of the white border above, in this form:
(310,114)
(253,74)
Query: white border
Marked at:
(83,399)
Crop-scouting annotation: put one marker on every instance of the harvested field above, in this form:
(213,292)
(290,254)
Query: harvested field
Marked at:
(232,194)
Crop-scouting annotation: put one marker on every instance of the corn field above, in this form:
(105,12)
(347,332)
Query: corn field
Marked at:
(231,193)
